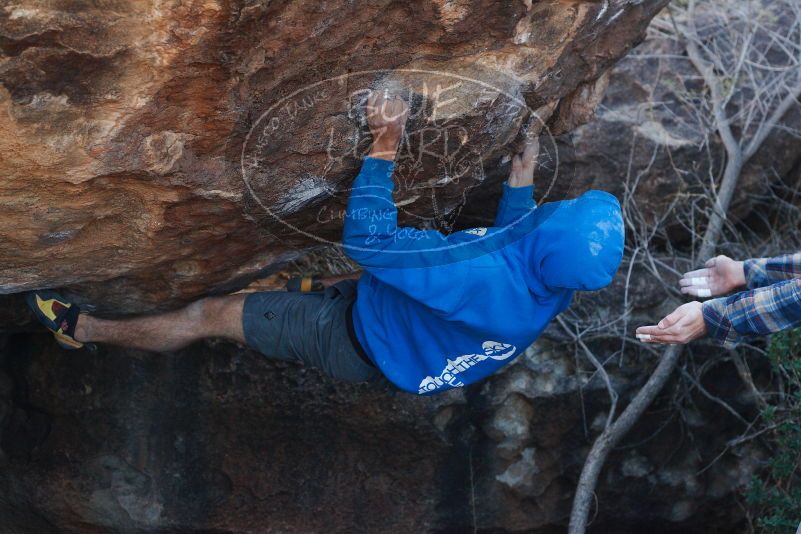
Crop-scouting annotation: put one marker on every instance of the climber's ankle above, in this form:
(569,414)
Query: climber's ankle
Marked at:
(83,328)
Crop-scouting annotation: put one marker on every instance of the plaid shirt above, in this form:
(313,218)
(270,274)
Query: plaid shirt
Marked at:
(772,303)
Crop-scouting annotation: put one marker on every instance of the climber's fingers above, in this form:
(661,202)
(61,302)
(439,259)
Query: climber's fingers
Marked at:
(523,165)
(396,110)
(530,153)
(374,101)
(386,108)
(517,168)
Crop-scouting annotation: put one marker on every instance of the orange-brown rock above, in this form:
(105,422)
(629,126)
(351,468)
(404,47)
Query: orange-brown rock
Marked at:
(125,125)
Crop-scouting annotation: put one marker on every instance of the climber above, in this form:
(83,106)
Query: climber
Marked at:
(430,312)
(771,304)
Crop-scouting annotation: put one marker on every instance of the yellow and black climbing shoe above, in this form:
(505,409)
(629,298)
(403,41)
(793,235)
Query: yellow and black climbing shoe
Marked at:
(58,316)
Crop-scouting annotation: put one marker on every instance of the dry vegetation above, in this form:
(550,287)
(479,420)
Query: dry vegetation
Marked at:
(747,78)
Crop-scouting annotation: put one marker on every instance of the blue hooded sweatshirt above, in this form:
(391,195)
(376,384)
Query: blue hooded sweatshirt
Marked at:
(436,312)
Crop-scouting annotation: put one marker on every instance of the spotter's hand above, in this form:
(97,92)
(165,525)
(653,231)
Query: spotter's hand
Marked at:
(685,324)
(386,118)
(523,165)
(721,276)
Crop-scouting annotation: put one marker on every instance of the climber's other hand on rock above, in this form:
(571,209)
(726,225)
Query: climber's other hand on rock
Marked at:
(523,165)
(386,118)
(685,324)
(721,276)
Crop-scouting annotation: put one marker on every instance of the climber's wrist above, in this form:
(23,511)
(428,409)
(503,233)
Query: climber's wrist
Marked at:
(384,149)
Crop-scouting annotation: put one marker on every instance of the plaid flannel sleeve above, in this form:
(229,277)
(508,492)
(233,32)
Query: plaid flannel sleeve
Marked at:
(761,272)
(731,320)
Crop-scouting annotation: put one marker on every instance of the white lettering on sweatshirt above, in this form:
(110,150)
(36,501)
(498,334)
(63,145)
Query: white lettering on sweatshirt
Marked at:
(449,376)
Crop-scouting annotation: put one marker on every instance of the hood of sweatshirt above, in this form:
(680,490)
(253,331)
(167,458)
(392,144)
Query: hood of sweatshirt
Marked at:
(577,244)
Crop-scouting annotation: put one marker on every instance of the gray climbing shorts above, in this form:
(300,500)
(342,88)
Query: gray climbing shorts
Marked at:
(314,329)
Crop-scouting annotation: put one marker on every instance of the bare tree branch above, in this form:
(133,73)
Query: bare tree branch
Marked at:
(749,92)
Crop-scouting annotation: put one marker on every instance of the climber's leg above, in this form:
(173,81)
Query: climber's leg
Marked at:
(209,317)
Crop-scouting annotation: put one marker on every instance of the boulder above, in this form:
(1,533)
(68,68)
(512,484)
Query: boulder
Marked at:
(154,152)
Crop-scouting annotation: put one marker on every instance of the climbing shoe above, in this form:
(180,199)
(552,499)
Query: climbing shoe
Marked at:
(58,316)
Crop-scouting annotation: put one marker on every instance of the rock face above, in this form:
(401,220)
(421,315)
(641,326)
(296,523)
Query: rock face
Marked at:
(218,439)
(643,138)
(158,151)
(646,147)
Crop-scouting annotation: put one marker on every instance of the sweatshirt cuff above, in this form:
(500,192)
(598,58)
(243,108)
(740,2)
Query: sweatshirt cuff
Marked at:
(718,327)
(518,196)
(518,193)
(377,171)
(756,274)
